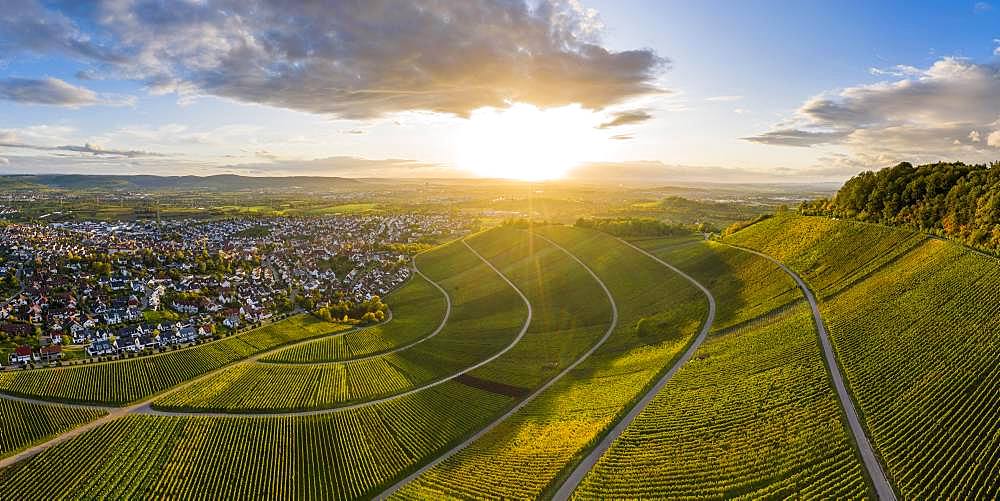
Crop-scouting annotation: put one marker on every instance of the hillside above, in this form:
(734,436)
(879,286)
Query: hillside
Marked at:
(567,362)
(913,320)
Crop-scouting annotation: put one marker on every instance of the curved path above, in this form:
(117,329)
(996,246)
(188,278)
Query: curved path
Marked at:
(588,462)
(147,409)
(440,327)
(871,461)
(611,327)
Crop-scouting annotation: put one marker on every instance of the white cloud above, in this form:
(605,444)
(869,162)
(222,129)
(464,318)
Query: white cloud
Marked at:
(923,115)
(56,92)
(994,139)
(350,59)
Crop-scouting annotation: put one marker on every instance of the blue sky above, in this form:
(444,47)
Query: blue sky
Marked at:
(752,91)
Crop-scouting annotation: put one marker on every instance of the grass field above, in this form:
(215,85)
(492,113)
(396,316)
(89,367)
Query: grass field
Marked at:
(418,308)
(523,456)
(121,381)
(751,415)
(24,423)
(916,338)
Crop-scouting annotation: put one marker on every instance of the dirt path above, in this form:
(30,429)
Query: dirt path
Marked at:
(611,327)
(871,461)
(569,485)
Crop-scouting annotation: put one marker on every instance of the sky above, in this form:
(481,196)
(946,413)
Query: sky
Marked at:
(622,90)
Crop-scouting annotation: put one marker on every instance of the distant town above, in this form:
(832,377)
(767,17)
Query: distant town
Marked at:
(87,289)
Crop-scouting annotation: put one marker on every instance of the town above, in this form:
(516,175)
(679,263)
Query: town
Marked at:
(94,290)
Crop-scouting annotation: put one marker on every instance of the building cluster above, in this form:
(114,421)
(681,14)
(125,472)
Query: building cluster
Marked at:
(119,287)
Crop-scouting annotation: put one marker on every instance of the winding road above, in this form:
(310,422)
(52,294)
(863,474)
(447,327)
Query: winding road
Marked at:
(871,461)
(569,485)
(611,328)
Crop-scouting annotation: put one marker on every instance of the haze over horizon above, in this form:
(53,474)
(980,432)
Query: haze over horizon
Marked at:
(537,89)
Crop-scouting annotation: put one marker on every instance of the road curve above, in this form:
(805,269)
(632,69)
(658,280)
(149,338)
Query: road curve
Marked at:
(611,327)
(871,461)
(440,327)
(588,462)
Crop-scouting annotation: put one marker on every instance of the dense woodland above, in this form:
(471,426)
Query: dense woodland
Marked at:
(950,199)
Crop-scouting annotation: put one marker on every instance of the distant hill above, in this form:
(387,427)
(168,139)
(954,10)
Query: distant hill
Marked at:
(222,182)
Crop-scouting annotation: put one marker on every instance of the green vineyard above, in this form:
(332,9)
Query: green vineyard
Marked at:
(751,415)
(477,410)
(525,455)
(122,381)
(916,336)
(418,308)
(25,423)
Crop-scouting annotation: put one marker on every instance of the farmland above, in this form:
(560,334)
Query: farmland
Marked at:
(524,456)
(25,423)
(751,415)
(348,413)
(284,387)
(913,338)
(418,308)
(121,381)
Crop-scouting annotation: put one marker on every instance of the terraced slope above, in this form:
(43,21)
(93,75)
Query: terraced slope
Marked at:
(122,381)
(525,455)
(347,454)
(336,456)
(269,387)
(25,423)
(917,340)
(745,286)
(418,308)
(752,414)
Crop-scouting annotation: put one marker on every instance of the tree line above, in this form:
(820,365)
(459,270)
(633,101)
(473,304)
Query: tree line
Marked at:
(635,227)
(955,200)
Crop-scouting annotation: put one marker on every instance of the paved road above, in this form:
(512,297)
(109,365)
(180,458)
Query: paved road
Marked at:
(611,327)
(581,470)
(871,462)
(440,327)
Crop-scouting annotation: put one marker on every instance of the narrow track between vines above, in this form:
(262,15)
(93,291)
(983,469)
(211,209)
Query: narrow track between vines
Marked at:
(871,461)
(573,480)
(611,327)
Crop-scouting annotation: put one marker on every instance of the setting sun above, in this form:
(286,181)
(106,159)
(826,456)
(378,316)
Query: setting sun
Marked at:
(525,142)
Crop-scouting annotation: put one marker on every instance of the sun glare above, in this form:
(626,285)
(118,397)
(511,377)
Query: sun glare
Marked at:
(525,142)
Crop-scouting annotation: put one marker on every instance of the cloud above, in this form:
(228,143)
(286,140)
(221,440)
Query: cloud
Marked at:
(4,161)
(355,59)
(52,91)
(981,7)
(626,118)
(622,137)
(993,139)
(7,141)
(27,26)
(795,137)
(921,115)
(724,98)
